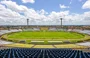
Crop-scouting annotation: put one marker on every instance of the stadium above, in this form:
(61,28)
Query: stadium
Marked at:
(48,41)
(28,31)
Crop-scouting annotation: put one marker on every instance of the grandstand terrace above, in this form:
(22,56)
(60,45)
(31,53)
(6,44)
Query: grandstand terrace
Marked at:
(16,30)
(43,53)
(10,49)
(81,27)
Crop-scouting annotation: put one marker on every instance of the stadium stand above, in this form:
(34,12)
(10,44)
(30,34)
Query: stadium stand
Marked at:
(2,42)
(30,29)
(36,29)
(6,31)
(81,31)
(5,42)
(2,47)
(52,29)
(84,44)
(6,52)
(85,32)
(42,53)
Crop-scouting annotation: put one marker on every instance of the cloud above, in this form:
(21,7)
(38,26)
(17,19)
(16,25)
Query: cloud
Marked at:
(70,2)
(86,5)
(14,6)
(28,1)
(54,18)
(11,15)
(7,16)
(63,6)
(43,12)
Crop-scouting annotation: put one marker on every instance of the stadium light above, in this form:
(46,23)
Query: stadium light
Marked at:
(61,18)
(27,22)
(61,22)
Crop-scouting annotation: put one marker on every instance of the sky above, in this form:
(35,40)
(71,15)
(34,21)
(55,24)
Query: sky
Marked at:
(44,12)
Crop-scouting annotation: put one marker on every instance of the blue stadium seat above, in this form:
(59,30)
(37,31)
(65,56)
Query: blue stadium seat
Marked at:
(42,53)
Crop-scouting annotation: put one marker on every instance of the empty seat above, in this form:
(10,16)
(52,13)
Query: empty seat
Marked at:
(42,53)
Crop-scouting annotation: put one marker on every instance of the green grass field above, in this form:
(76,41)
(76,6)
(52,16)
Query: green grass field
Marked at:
(46,36)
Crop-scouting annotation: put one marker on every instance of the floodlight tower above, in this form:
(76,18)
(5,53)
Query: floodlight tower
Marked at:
(27,22)
(61,18)
(61,22)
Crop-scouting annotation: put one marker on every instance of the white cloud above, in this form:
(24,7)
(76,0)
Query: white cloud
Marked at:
(11,15)
(28,1)
(8,16)
(14,6)
(43,12)
(63,6)
(70,2)
(86,5)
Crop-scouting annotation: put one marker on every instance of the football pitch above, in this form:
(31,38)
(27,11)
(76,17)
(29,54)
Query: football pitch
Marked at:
(45,37)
